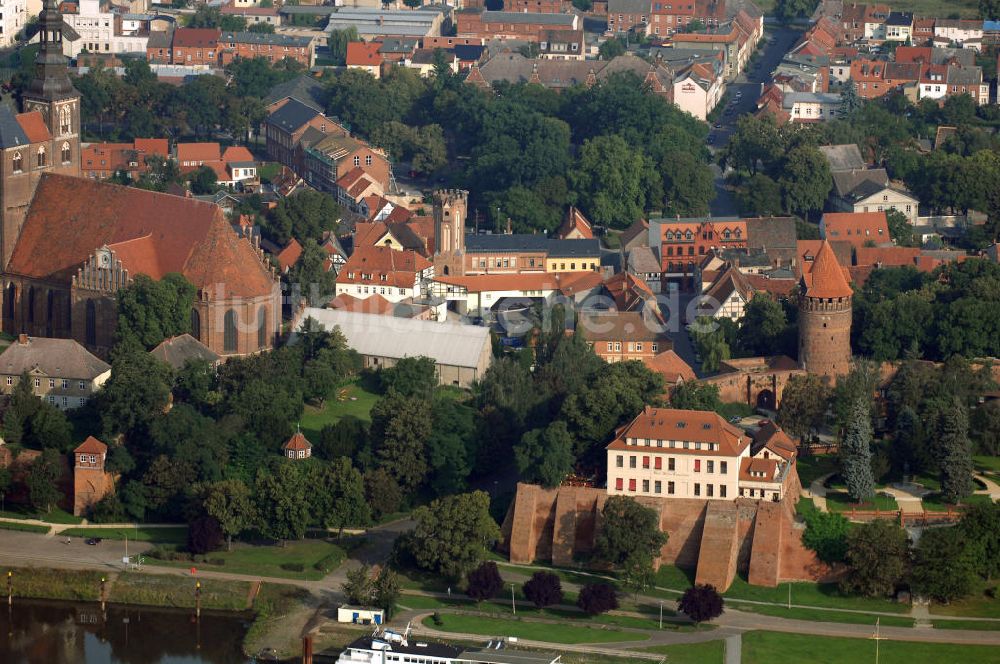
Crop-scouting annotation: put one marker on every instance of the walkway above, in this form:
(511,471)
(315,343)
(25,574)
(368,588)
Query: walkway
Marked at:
(992,488)
(817,492)
(734,649)
(908,502)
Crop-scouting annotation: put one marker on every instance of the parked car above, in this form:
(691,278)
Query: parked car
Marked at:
(93,541)
(735,419)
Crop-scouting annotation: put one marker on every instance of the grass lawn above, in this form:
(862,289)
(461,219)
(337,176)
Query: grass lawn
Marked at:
(163,590)
(935,503)
(268,170)
(822,595)
(731,410)
(780,648)
(709,652)
(977,606)
(987,463)
(983,625)
(56,515)
(25,527)
(535,631)
(816,466)
(295,560)
(671,576)
(172,535)
(819,615)
(353,399)
(841,502)
(965,8)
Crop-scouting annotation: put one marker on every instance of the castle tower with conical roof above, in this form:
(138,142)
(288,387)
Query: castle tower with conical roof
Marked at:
(825,317)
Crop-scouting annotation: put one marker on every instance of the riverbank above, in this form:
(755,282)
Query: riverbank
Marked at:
(280,613)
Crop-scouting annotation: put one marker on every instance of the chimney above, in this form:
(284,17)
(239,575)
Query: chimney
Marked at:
(22,338)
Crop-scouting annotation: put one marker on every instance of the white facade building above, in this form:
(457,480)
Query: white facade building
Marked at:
(102,31)
(13,18)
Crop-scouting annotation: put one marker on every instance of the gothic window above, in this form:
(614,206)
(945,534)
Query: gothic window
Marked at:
(262,327)
(65,122)
(91,333)
(31,304)
(195,324)
(18,162)
(229,332)
(11,298)
(65,153)
(41,157)
(50,312)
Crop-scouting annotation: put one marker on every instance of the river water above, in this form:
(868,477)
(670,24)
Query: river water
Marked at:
(38,632)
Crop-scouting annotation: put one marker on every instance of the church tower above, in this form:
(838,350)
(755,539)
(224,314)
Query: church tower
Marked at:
(45,137)
(450,208)
(825,317)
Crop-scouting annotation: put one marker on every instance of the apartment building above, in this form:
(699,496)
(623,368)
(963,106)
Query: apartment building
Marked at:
(61,371)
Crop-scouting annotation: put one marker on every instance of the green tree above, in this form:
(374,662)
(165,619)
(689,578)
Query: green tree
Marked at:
(691,395)
(611,48)
(789,9)
(152,310)
(304,216)
(382,492)
(282,502)
(357,587)
(385,590)
(955,454)
(138,390)
(452,534)
(545,455)
(230,503)
(764,328)
(944,565)
(204,181)
(22,405)
(981,526)
(805,180)
(856,453)
(803,404)
(411,377)
(341,496)
(756,144)
(400,429)
(629,532)
(877,557)
(760,196)
(484,582)
(826,534)
(338,40)
(613,181)
(6,479)
(265,28)
(900,228)
(543,589)
(42,480)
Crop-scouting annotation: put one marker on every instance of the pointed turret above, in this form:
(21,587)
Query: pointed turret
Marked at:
(826,279)
(825,317)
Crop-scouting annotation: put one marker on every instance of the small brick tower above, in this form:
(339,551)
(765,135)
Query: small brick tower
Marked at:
(825,317)
(450,209)
(91,482)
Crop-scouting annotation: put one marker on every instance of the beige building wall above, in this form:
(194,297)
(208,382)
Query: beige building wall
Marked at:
(681,471)
(63,393)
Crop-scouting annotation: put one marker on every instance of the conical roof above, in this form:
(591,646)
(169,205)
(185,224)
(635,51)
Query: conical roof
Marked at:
(826,279)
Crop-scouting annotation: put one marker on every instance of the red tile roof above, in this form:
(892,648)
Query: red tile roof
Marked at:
(198,152)
(363,55)
(826,279)
(697,426)
(158,146)
(155,233)
(373,304)
(237,153)
(767,467)
(575,221)
(886,256)
(367,266)
(91,446)
(34,126)
(670,365)
(290,255)
(196,37)
(297,442)
(524,281)
(858,228)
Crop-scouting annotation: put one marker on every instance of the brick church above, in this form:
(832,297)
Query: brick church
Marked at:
(68,244)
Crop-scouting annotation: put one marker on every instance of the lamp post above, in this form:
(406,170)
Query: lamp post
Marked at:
(661,614)
(513,606)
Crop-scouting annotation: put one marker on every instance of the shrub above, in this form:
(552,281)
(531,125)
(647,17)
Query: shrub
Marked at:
(826,534)
(293,567)
(204,535)
(597,598)
(543,589)
(437,619)
(485,582)
(700,603)
(328,563)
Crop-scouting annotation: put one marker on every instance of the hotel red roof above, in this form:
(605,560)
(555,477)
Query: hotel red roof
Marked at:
(361,54)
(91,446)
(858,228)
(153,233)
(368,265)
(826,279)
(670,424)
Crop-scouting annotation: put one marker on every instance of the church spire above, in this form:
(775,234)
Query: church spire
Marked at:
(51,80)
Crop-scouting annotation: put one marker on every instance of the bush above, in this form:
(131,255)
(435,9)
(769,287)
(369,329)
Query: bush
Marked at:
(204,535)
(437,619)
(700,603)
(596,598)
(826,534)
(293,567)
(485,582)
(327,563)
(543,589)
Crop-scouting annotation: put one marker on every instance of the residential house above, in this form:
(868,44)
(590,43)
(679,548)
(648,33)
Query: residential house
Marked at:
(512,254)
(538,6)
(811,107)
(642,262)
(899,27)
(287,123)
(966,33)
(681,243)
(395,275)
(195,47)
(365,56)
(178,351)
(628,16)
(251,14)
(673,369)
(101,31)
(272,47)
(698,88)
(100,161)
(619,336)
(523,26)
(561,44)
(62,371)
(670,16)
(297,447)
(858,228)
(328,158)
(575,226)
(869,190)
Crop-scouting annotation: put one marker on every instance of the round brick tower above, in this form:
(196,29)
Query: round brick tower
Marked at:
(825,317)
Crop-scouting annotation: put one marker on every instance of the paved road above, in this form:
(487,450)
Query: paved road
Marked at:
(744,92)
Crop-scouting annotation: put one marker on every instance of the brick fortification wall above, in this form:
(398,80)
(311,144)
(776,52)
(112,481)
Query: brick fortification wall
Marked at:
(717,538)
